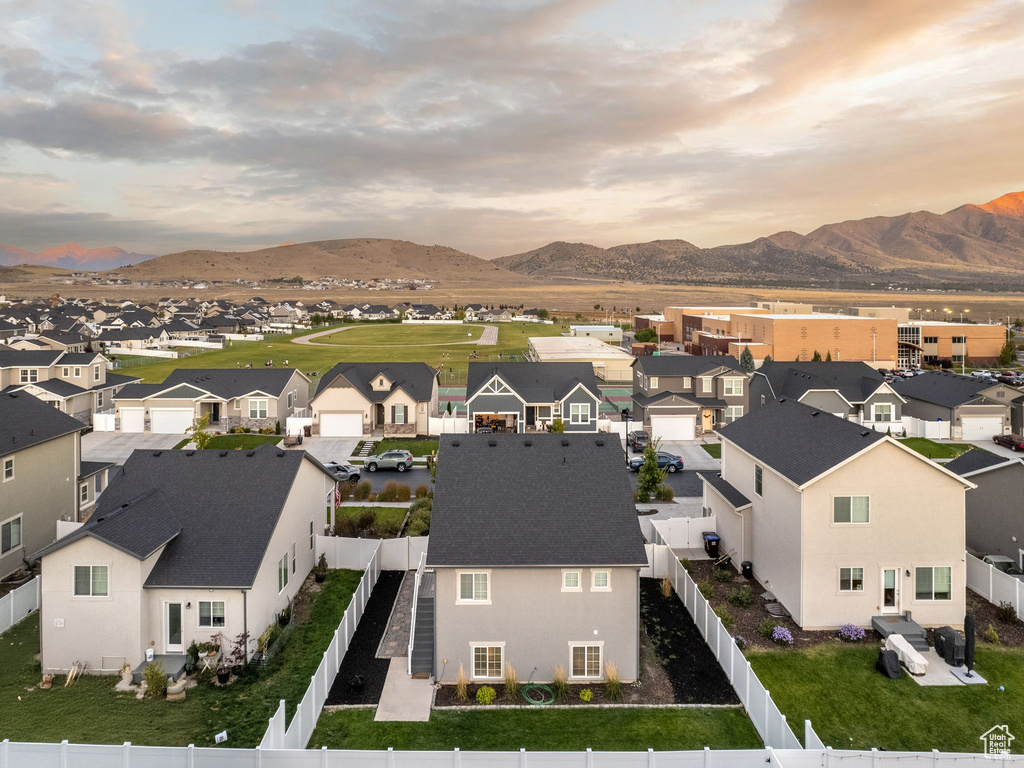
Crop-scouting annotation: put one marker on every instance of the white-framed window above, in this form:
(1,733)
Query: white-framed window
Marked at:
(851,509)
(311,536)
(687,382)
(579,413)
(258,408)
(488,660)
(99,483)
(758,479)
(600,581)
(238,403)
(933,583)
(29,375)
(851,579)
(654,382)
(10,534)
(705,385)
(474,587)
(290,399)
(571,581)
(8,468)
(65,371)
(293,557)
(211,613)
(733,412)
(881,412)
(95,373)
(83,493)
(400,414)
(282,573)
(78,372)
(733,387)
(91,581)
(585,660)
(99,399)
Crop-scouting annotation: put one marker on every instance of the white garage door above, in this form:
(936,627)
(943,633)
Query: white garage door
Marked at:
(982,427)
(133,419)
(341,425)
(169,421)
(673,427)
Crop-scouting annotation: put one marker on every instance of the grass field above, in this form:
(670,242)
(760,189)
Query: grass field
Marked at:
(415,447)
(387,520)
(91,712)
(934,450)
(392,333)
(542,729)
(714,449)
(851,706)
(241,442)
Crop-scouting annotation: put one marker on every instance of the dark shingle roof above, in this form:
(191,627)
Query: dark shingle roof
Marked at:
(974,460)
(58,387)
(797,441)
(855,381)
(685,365)
(89,468)
(533,500)
(222,382)
(417,379)
(724,487)
(942,388)
(28,358)
(534,382)
(704,402)
(27,421)
(117,380)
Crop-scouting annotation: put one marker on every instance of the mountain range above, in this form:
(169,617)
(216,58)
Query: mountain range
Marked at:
(72,256)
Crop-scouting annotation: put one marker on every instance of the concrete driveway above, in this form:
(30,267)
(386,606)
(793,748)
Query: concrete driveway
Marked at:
(998,450)
(118,446)
(694,457)
(329,448)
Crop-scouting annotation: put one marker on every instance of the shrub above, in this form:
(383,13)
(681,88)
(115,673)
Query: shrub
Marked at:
(362,491)
(765,628)
(782,636)
(687,564)
(728,620)
(586,695)
(851,633)
(664,493)
(486,695)
(512,686)
(741,597)
(560,683)
(724,575)
(403,493)
(344,492)
(706,588)
(990,635)
(247,430)
(321,567)
(422,491)
(1006,613)
(419,517)
(156,680)
(277,428)
(613,684)
(390,492)
(741,642)
(366,520)
(666,587)
(462,686)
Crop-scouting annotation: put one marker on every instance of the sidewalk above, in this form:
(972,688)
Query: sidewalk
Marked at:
(404,699)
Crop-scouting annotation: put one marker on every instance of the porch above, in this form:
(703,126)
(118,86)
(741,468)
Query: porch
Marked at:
(173,664)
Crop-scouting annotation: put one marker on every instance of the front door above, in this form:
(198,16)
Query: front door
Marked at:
(173,625)
(530,415)
(890,590)
(215,413)
(707,420)
(380,414)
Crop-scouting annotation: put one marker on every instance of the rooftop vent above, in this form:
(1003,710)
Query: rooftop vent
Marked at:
(157,453)
(815,413)
(782,399)
(251,453)
(455,443)
(528,443)
(223,454)
(865,433)
(565,443)
(190,453)
(492,443)
(600,443)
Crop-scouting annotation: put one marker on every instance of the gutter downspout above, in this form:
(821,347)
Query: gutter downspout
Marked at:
(245,624)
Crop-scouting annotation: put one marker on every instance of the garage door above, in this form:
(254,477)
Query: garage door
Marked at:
(673,427)
(133,420)
(341,425)
(982,427)
(169,421)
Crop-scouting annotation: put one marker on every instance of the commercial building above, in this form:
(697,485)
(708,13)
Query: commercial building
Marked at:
(610,333)
(841,337)
(610,363)
(662,326)
(900,314)
(686,320)
(931,342)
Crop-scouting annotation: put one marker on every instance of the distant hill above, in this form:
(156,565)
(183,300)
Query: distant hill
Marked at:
(358,258)
(976,244)
(72,256)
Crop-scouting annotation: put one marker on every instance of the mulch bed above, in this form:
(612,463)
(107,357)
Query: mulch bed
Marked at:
(1010,635)
(361,658)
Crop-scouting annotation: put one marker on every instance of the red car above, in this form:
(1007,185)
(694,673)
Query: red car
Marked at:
(1013,442)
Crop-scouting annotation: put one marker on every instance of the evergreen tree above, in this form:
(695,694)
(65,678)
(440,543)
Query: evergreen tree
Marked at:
(828,356)
(767,359)
(817,357)
(747,360)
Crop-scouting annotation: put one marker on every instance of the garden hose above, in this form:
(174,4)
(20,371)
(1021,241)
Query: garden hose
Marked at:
(538,695)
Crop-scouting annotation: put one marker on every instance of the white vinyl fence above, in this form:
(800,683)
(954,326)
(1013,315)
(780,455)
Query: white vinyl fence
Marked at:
(104,422)
(685,532)
(445,424)
(140,351)
(994,585)
(933,430)
(16,605)
(396,554)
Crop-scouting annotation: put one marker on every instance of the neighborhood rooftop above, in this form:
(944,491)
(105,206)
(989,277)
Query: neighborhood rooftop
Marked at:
(685,365)
(417,379)
(534,382)
(26,421)
(942,388)
(856,381)
(975,460)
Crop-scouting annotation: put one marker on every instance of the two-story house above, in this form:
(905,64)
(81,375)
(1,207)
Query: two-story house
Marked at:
(970,409)
(353,399)
(840,522)
(537,574)
(995,518)
(527,397)
(681,397)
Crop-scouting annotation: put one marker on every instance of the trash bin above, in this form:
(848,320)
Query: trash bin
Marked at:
(748,569)
(711,540)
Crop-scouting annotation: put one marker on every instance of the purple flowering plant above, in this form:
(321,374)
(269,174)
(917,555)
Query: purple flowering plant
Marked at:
(851,633)
(782,636)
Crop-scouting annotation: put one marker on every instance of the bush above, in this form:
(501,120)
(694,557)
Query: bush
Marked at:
(246,430)
(741,642)
(782,636)
(486,695)
(362,491)
(765,628)
(724,575)
(560,683)
(512,686)
(462,686)
(742,597)
(728,620)
(390,492)
(344,492)
(156,680)
(277,428)
(422,491)
(1006,613)
(419,517)
(586,695)
(366,520)
(404,494)
(666,587)
(664,493)
(851,633)
(990,635)
(706,588)
(613,686)
(687,564)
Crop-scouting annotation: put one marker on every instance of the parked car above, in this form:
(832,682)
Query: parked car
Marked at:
(1013,442)
(400,460)
(980,374)
(637,440)
(668,461)
(1005,564)
(485,431)
(343,472)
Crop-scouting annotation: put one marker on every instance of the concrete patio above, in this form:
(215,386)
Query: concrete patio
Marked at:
(405,699)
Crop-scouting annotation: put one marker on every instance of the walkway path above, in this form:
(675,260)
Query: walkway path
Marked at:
(488,338)
(404,698)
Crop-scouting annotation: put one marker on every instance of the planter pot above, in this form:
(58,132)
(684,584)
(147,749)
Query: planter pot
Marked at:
(127,678)
(223,675)
(320,577)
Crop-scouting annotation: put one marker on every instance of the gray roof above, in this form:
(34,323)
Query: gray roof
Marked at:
(534,382)
(416,379)
(226,383)
(537,500)
(685,365)
(89,468)
(117,380)
(226,505)
(942,388)
(855,381)
(797,441)
(57,387)
(724,487)
(26,421)
(28,358)
(80,358)
(974,460)
(704,402)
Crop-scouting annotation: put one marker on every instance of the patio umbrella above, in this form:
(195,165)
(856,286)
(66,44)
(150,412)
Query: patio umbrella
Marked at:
(969,643)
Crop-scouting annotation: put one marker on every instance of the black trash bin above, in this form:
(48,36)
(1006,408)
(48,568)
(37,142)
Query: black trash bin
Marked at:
(748,569)
(711,540)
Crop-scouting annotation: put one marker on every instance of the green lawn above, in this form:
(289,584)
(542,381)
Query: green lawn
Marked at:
(934,450)
(852,706)
(91,712)
(388,519)
(236,442)
(393,333)
(713,449)
(542,729)
(415,447)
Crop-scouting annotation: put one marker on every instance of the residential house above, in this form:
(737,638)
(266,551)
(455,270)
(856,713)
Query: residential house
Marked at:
(544,574)
(255,398)
(527,397)
(841,523)
(971,409)
(124,340)
(682,397)
(353,399)
(39,470)
(64,342)
(183,546)
(995,520)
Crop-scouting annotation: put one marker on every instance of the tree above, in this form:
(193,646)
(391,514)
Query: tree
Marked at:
(817,357)
(1008,353)
(646,334)
(557,425)
(828,356)
(638,309)
(650,475)
(449,408)
(542,314)
(767,359)
(597,306)
(199,434)
(747,360)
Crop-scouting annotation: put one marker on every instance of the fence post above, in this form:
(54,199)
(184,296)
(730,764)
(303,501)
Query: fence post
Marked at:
(990,569)
(323,757)
(750,671)
(456,758)
(707,757)
(391,757)
(39,592)
(650,757)
(5,749)
(191,756)
(874,757)
(590,758)
(767,723)
(522,757)
(63,749)
(126,754)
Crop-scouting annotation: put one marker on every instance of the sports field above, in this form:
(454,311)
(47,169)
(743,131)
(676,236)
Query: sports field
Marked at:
(395,334)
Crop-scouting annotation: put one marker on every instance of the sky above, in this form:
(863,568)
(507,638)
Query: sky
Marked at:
(497,126)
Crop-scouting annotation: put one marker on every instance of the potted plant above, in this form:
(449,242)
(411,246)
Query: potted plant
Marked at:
(126,675)
(285,616)
(239,652)
(223,674)
(320,572)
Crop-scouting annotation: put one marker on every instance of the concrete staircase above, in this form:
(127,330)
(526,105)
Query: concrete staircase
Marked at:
(423,632)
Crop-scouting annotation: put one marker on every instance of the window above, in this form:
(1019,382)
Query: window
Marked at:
(293,557)
(399,414)
(758,479)
(687,382)
(91,581)
(586,660)
(734,386)
(579,413)
(474,587)
(705,385)
(8,469)
(571,581)
(930,340)
(311,537)
(29,375)
(65,371)
(601,581)
(487,661)
(10,535)
(289,399)
(851,509)
(934,583)
(99,399)
(83,493)
(211,613)
(238,403)
(95,373)
(959,339)
(99,483)
(78,373)
(257,409)
(654,382)
(851,579)
(882,411)
(733,412)
(282,573)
